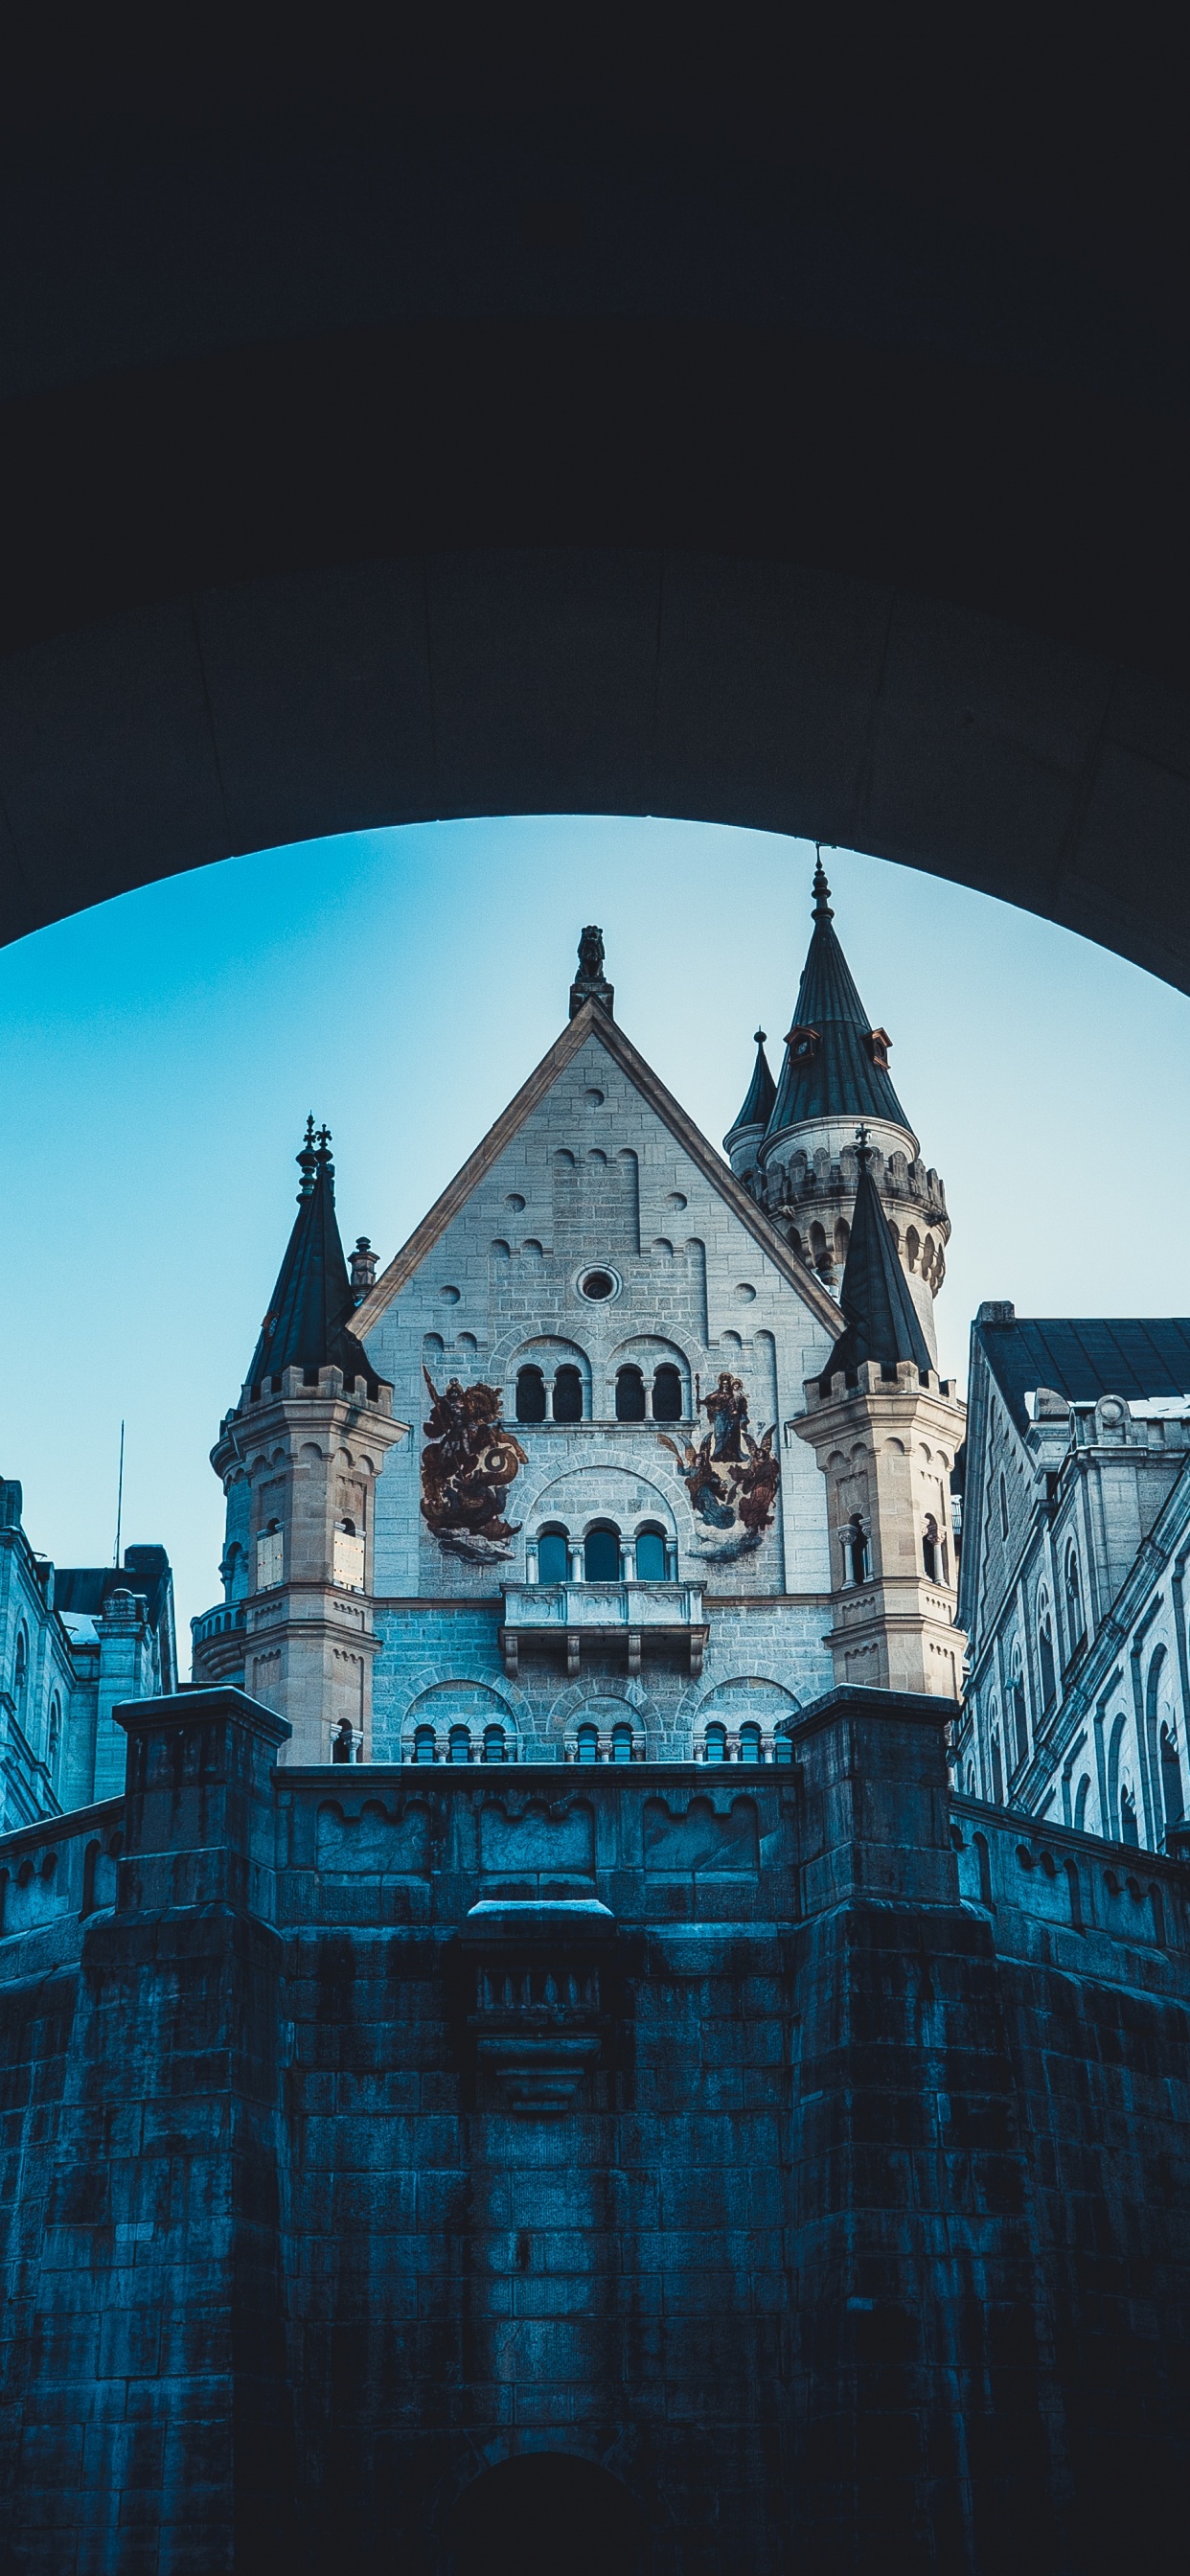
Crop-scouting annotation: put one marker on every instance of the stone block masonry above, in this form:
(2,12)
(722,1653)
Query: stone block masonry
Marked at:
(777,2152)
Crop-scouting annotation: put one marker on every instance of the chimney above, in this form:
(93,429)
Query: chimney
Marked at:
(363,1269)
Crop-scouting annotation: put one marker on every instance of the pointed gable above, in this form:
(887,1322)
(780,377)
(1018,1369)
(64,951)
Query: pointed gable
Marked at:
(592,1021)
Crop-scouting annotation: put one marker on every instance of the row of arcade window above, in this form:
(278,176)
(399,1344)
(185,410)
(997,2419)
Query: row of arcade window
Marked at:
(562,1399)
(459,1747)
(717,1748)
(606,1557)
(586,1744)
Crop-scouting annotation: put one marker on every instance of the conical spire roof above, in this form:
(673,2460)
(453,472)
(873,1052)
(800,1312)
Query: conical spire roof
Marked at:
(876,1299)
(832,1069)
(306,1325)
(759,1097)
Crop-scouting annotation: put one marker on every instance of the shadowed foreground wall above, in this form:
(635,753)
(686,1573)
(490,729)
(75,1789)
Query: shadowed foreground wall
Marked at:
(801,2147)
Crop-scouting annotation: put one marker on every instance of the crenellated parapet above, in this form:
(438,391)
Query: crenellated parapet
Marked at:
(810,1197)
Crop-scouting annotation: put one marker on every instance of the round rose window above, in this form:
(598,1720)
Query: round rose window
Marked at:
(597,1284)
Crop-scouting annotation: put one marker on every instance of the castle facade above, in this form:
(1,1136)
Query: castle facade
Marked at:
(547,1488)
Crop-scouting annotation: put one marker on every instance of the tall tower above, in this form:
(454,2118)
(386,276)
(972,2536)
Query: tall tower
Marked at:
(803,1166)
(886,1430)
(299,1457)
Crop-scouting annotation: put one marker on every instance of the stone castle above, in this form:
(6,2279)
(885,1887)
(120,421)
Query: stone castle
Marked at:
(562,2047)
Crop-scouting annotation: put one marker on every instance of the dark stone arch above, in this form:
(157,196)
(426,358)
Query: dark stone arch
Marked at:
(544,2512)
(607,428)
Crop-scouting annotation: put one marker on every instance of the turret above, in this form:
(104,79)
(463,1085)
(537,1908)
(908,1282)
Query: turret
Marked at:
(299,1456)
(804,1169)
(886,1431)
(743,1140)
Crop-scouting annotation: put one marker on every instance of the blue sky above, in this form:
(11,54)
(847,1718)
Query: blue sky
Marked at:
(159,1056)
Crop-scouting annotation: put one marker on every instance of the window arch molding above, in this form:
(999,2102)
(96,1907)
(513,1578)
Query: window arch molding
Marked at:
(446,1709)
(654,1355)
(549,1354)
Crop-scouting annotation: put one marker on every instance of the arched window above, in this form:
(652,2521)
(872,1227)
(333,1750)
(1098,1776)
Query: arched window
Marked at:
(1003,1508)
(749,1743)
(667,1393)
(269,1557)
(601,1555)
(1129,1829)
(650,1556)
(588,1744)
(568,1394)
(716,1744)
(971,1779)
(1171,1780)
(855,1551)
(530,1395)
(21,1676)
(55,1739)
(1074,1602)
(1018,1724)
(782,1748)
(1081,1795)
(621,1743)
(424,1747)
(1045,1656)
(460,1745)
(630,1395)
(931,1550)
(553,1556)
(997,1772)
(494,1747)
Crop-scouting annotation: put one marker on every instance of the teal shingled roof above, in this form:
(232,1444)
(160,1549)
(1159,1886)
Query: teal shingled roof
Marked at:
(306,1325)
(760,1095)
(882,1321)
(839,1078)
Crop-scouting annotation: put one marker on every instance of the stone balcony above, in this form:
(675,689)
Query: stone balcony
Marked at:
(217,1642)
(556,1617)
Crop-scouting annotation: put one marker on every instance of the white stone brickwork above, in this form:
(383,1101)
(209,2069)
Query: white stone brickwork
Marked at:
(599,1172)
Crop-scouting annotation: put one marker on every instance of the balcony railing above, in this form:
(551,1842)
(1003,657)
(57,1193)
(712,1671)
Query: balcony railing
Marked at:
(218,1622)
(562,1614)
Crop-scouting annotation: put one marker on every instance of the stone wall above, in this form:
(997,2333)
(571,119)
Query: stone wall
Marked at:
(801,2149)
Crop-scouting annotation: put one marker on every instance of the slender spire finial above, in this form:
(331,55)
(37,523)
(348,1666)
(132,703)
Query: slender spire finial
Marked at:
(307,1161)
(759,1036)
(822,892)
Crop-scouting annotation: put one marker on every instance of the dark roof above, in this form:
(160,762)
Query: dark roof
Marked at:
(838,1078)
(306,1325)
(760,1095)
(85,1588)
(1137,1357)
(882,1321)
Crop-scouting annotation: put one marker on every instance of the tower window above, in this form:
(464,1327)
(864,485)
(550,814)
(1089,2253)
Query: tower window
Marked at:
(855,1551)
(1074,1602)
(601,1555)
(650,1556)
(667,1393)
(530,1395)
(269,1557)
(588,1744)
(553,1556)
(630,1395)
(1045,1650)
(929,1548)
(568,1394)
(1171,1780)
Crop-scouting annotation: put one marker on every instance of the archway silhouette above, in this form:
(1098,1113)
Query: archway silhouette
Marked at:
(440,423)
(546,2513)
